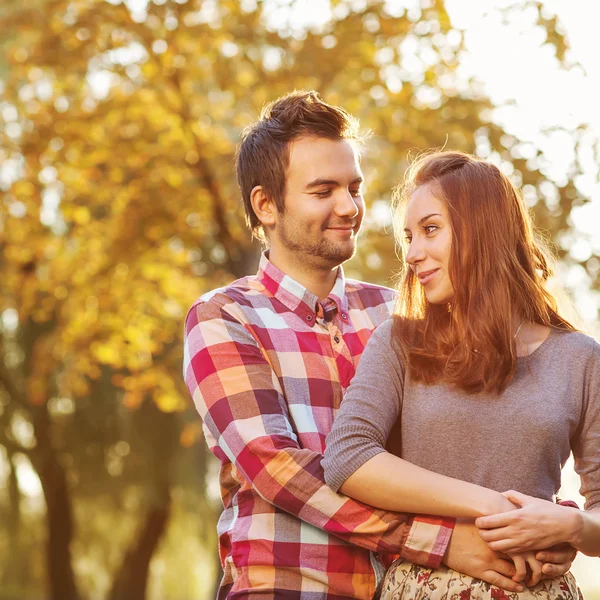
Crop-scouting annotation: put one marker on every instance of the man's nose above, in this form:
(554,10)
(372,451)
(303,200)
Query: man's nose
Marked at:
(347,205)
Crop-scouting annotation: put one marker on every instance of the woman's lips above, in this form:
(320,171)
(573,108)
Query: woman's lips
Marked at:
(426,276)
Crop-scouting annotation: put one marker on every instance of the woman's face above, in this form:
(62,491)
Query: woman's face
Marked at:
(429,238)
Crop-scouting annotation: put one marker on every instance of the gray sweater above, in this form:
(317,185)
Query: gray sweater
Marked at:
(519,439)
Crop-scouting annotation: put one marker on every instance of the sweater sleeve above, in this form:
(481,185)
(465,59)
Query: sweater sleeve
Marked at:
(369,410)
(586,445)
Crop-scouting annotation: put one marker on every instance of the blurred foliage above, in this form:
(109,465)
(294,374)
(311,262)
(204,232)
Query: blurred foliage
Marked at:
(118,207)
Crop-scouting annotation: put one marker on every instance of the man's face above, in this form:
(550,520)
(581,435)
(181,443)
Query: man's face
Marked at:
(324,207)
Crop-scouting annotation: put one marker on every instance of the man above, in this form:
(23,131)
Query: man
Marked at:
(267,360)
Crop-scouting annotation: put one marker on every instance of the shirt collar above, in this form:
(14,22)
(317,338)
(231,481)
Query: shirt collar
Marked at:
(295,296)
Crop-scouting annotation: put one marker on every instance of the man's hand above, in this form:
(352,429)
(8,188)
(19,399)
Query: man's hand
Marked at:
(557,560)
(537,524)
(527,562)
(467,553)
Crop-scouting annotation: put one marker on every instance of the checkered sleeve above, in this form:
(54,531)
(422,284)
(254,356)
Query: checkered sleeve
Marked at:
(241,403)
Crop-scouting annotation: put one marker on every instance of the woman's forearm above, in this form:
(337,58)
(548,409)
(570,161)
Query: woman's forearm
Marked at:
(388,482)
(587,536)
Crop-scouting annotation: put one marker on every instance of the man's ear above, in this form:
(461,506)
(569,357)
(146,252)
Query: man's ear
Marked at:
(263,206)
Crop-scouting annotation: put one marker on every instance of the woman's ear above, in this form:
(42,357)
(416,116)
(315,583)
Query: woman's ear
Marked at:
(263,206)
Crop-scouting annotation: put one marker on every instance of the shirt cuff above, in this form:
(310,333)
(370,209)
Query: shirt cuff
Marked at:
(570,503)
(428,540)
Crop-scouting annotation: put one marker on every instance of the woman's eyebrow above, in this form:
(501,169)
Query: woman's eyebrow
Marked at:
(423,219)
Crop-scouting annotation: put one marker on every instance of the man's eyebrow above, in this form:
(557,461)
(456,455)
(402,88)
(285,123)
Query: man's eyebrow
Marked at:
(317,182)
(423,219)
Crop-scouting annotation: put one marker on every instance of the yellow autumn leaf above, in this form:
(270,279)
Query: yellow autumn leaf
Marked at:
(104,353)
(169,401)
(81,215)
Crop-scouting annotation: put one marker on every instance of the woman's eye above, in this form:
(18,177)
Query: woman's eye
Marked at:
(408,239)
(430,228)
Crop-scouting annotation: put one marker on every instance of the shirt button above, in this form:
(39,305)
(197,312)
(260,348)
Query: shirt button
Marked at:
(336,339)
(309,317)
(344,316)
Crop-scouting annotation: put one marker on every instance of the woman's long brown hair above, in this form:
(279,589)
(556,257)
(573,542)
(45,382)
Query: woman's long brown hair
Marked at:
(498,268)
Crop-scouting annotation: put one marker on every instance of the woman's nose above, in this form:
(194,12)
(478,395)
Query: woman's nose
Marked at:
(415,252)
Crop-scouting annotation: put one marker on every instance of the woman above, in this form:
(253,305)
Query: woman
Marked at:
(477,382)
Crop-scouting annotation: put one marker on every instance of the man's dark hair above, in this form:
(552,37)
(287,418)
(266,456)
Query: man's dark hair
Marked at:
(263,153)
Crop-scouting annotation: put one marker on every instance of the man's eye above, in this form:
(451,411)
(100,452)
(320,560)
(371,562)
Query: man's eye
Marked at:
(323,194)
(355,193)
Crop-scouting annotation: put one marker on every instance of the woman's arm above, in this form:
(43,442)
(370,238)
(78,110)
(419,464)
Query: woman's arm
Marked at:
(357,463)
(389,482)
(588,538)
(538,523)
(541,524)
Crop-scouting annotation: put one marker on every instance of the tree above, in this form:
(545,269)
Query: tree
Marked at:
(119,207)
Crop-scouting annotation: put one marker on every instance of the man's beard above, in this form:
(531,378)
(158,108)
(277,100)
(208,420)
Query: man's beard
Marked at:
(321,253)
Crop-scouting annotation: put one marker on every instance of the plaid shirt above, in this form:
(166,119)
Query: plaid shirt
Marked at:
(267,365)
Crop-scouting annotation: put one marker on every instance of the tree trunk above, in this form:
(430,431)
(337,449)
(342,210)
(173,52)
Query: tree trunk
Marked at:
(14,495)
(61,578)
(132,579)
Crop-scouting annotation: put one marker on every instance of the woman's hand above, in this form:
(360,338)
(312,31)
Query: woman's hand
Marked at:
(537,524)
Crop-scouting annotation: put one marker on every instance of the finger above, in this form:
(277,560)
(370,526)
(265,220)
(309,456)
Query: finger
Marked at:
(507,541)
(504,567)
(550,570)
(510,546)
(495,521)
(516,497)
(536,570)
(502,540)
(501,581)
(520,568)
(564,554)
(493,535)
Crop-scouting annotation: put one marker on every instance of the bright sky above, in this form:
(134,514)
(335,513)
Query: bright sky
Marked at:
(511,62)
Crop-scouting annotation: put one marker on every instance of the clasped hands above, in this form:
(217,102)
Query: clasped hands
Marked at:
(533,525)
(510,554)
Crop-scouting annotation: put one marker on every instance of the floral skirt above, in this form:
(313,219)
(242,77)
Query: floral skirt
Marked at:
(407,581)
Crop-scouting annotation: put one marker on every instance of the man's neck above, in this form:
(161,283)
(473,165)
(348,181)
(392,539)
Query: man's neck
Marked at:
(319,281)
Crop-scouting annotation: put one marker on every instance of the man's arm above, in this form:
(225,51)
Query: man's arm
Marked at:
(241,402)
